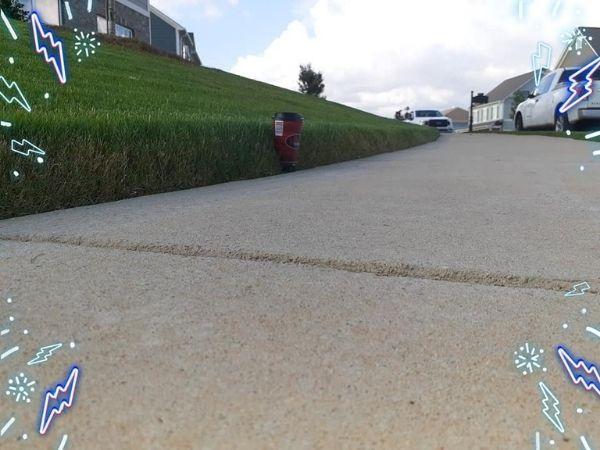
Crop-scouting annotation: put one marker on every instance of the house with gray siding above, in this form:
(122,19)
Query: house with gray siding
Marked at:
(582,47)
(133,19)
(170,37)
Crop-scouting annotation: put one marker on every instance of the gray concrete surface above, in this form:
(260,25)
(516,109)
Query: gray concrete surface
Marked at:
(371,304)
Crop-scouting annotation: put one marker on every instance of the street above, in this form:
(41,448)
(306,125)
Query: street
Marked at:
(376,303)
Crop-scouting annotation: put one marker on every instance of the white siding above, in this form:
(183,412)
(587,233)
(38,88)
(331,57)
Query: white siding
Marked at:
(48,10)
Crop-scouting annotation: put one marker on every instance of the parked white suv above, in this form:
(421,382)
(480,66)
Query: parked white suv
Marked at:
(432,118)
(542,108)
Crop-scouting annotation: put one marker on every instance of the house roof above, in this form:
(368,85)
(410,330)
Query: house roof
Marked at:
(508,87)
(457,114)
(157,12)
(594,34)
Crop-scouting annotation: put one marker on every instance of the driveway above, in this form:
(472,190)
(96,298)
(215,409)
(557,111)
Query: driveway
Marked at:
(371,304)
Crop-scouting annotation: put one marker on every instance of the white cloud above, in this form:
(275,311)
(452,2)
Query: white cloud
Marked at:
(381,55)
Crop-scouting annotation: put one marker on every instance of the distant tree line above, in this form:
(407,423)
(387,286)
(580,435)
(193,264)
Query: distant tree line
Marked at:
(404,114)
(13,9)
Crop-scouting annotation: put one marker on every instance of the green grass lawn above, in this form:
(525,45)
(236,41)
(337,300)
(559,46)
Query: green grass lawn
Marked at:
(129,122)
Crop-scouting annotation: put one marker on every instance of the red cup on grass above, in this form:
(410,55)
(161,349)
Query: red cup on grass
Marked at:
(287,129)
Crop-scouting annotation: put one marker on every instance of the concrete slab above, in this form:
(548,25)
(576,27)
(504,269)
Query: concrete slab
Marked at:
(210,353)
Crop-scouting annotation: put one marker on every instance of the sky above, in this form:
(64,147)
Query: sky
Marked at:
(382,55)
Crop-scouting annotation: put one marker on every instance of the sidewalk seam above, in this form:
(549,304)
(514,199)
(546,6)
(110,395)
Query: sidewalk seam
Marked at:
(378,268)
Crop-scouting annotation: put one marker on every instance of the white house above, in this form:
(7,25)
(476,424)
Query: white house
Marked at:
(497,113)
(133,19)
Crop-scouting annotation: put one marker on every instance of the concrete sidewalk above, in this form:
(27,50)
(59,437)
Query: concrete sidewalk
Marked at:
(370,304)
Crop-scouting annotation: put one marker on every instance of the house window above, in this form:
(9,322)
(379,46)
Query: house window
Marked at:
(102,25)
(123,32)
(498,115)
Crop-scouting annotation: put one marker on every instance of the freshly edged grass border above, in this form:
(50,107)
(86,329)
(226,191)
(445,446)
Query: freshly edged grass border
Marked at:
(130,122)
(100,161)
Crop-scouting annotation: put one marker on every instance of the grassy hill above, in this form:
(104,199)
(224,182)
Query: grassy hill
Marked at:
(129,122)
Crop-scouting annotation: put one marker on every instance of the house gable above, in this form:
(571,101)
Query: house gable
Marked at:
(572,56)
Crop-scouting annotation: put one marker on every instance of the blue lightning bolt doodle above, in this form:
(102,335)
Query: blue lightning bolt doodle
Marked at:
(51,48)
(89,5)
(58,399)
(44,353)
(11,93)
(578,289)
(581,85)
(26,148)
(580,371)
(541,60)
(554,415)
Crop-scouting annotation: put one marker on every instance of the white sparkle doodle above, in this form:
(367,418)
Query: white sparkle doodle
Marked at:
(7,426)
(529,359)
(585,443)
(85,44)
(6,331)
(575,39)
(20,388)
(593,331)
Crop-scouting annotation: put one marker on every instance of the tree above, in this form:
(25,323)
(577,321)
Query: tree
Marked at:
(518,98)
(13,9)
(310,82)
